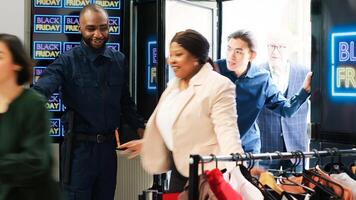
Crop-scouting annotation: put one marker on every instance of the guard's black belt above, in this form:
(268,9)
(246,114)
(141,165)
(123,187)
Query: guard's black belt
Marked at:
(98,138)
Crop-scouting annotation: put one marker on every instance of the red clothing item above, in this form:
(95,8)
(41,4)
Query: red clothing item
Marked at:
(170,196)
(221,188)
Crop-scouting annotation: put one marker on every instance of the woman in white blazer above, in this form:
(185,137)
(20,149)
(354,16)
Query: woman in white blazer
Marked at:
(196,114)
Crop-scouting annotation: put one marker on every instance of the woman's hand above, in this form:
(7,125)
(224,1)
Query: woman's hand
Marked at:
(131,149)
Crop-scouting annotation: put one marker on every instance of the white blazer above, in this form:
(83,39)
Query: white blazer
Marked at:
(206,123)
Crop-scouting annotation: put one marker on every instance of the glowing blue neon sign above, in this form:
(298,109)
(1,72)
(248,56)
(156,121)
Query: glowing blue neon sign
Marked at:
(36,73)
(343,64)
(47,3)
(56,127)
(151,65)
(114,46)
(46,50)
(54,103)
(108,4)
(75,3)
(47,23)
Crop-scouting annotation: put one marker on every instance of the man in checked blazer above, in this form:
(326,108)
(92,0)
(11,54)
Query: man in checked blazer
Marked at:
(279,133)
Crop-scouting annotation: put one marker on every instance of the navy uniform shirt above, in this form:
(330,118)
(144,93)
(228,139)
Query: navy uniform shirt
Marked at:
(92,83)
(254,90)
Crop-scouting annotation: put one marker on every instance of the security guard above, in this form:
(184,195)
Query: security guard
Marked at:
(94,89)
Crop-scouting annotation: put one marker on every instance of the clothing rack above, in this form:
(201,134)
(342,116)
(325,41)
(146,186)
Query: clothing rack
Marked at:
(195,160)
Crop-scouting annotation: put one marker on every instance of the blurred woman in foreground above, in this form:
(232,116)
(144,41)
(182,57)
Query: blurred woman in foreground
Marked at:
(25,156)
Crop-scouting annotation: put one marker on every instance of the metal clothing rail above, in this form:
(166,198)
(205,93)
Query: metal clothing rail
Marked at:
(195,160)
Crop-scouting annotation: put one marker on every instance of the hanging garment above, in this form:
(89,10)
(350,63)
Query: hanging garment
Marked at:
(353,169)
(205,193)
(221,188)
(307,197)
(343,192)
(294,185)
(170,196)
(288,197)
(347,181)
(337,168)
(320,195)
(267,179)
(292,188)
(240,184)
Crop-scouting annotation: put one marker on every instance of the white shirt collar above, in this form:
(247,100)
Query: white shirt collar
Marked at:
(281,78)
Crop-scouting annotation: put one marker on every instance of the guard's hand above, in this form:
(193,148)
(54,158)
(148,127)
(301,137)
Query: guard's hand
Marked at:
(307,82)
(131,149)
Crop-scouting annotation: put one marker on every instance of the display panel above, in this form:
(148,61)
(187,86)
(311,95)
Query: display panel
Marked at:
(343,64)
(334,67)
(146,58)
(54,30)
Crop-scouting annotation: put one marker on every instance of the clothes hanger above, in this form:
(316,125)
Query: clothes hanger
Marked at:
(338,167)
(202,164)
(290,182)
(251,164)
(238,157)
(284,172)
(317,155)
(270,162)
(291,169)
(298,159)
(280,171)
(283,179)
(243,169)
(317,164)
(333,167)
(246,173)
(235,158)
(266,181)
(214,158)
(309,174)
